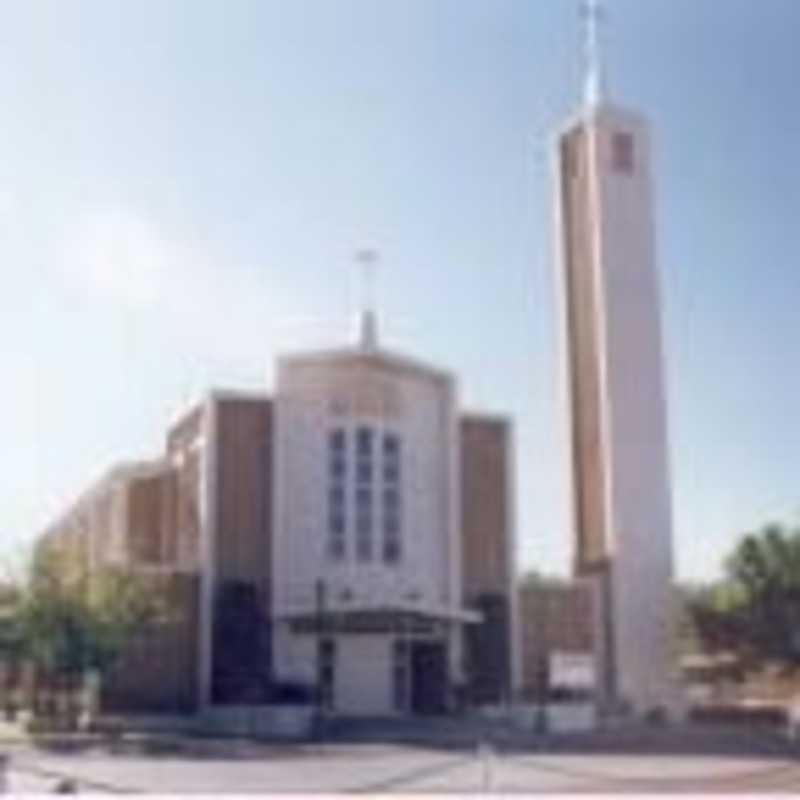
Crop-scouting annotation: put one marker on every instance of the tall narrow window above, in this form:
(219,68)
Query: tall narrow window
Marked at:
(338,440)
(364,442)
(364,537)
(622,152)
(337,508)
(364,513)
(391,499)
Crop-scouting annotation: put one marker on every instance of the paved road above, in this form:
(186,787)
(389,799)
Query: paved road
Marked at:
(400,768)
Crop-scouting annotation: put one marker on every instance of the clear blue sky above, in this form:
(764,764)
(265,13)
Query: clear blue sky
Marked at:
(182,185)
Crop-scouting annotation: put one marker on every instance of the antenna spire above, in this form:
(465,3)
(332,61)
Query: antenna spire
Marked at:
(367,259)
(593,14)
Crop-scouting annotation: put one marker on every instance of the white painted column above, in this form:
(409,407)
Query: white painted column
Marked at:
(208,554)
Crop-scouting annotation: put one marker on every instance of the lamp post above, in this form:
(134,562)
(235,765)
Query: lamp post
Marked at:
(320,599)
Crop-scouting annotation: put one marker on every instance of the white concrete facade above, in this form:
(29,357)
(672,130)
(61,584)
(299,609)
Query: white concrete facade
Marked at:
(317,395)
(348,391)
(620,452)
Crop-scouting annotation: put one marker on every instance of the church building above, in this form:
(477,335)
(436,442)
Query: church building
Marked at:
(350,536)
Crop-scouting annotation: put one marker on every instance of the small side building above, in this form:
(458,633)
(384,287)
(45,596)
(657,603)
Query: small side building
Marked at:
(556,618)
(130,520)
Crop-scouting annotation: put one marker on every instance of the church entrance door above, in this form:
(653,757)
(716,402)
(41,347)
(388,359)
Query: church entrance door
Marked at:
(428,677)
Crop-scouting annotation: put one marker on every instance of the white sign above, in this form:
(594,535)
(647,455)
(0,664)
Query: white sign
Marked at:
(572,670)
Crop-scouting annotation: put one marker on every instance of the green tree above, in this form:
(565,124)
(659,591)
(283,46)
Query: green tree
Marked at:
(71,620)
(765,567)
(755,609)
(716,616)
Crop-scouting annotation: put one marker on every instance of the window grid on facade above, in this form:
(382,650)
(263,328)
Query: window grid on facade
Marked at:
(373,480)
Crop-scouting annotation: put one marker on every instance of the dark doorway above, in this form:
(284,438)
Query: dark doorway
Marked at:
(428,678)
(487,651)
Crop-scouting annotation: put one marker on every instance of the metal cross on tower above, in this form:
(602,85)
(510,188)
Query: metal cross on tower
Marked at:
(593,14)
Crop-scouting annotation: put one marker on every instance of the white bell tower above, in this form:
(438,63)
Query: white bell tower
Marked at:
(618,419)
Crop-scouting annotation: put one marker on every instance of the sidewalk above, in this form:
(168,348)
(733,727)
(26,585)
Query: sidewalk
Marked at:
(14,740)
(14,736)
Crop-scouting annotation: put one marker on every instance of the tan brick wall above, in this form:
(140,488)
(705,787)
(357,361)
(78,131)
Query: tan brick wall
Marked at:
(151,518)
(157,671)
(241,661)
(484,500)
(244,500)
(126,518)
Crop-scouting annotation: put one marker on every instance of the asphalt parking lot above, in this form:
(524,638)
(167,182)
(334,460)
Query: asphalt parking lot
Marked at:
(707,761)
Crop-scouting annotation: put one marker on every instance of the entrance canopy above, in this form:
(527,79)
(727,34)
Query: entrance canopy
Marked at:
(389,619)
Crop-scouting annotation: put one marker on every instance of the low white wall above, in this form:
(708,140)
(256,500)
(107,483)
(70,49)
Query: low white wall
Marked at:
(274,722)
(559,717)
